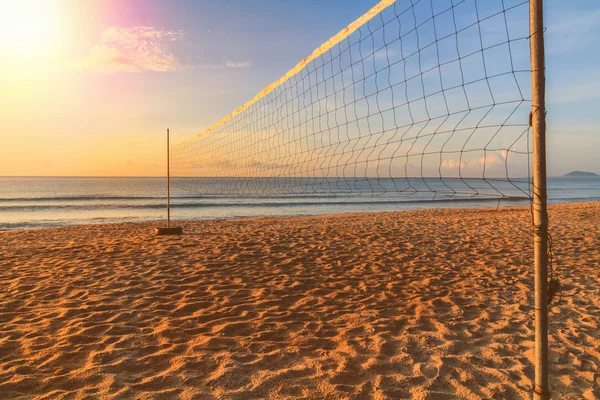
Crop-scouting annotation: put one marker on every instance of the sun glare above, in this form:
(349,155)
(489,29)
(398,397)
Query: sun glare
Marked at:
(28,27)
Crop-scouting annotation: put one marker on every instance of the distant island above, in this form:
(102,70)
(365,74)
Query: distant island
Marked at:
(581,174)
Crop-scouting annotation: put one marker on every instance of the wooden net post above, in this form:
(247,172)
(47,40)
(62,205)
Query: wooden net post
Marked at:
(540,215)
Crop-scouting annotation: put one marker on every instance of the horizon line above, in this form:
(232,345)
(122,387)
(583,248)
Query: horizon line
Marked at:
(274,177)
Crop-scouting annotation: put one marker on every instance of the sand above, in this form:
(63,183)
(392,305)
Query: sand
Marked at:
(433,304)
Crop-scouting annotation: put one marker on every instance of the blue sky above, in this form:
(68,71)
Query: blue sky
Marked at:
(218,54)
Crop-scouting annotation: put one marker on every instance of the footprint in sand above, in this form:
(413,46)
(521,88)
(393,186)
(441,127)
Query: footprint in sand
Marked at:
(429,370)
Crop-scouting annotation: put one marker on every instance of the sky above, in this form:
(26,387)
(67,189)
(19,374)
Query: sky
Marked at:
(88,88)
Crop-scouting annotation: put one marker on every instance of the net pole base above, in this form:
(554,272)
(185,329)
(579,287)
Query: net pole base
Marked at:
(173,230)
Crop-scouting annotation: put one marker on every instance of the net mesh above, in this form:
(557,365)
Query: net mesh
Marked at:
(426,98)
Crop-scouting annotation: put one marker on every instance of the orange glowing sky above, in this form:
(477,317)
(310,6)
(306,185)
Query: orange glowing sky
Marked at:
(89,87)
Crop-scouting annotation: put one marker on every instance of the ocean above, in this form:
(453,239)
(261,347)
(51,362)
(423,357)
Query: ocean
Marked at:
(48,202)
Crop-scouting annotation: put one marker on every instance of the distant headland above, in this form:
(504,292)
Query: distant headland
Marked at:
(581,174)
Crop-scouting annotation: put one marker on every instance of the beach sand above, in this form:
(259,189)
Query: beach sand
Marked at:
(432,304)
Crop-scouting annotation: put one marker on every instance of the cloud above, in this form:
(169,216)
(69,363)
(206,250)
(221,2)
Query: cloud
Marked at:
(572,31)
(574,92)
(492,160)
(228,64)
(570,129)
(135,49)
(238,64)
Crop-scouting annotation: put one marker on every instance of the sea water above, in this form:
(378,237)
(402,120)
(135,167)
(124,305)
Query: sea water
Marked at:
(44,202)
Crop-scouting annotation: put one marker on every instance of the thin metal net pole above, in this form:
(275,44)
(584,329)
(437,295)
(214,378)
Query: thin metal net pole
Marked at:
(540,216)
(168,183)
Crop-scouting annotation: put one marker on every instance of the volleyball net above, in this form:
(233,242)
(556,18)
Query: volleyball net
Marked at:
(416,97)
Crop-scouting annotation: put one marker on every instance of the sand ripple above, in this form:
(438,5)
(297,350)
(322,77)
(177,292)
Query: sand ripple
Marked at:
(424,305)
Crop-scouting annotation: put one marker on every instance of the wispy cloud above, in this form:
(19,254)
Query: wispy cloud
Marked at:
(238,64)
(569,130)
(574,31)
(227,64)
(135,49)
(575,91)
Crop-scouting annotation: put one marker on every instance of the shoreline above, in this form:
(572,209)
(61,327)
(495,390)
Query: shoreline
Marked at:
(158,221)
(431,303)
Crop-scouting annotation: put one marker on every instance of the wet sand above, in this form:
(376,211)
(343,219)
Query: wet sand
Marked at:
(433,304)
